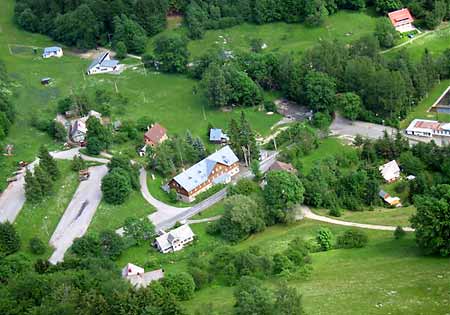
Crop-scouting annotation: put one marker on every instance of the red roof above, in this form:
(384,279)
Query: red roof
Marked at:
(281,166)
(155,133)
(400,17)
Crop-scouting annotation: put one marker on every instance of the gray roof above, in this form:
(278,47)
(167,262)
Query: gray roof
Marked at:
(216,134)
(100,60)
(199,173)
(183,232)
(109,63)
(51,49)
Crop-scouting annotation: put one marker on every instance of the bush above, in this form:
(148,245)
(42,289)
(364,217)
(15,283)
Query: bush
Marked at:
(325,239)
(335,212)
(9,239)
(352,239)
(270,106)
(399,233)
(116,186)
(37,246)
(181,285)
(173,195)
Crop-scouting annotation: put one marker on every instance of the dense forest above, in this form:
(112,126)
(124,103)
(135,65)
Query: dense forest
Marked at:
(88,23)
(7,112)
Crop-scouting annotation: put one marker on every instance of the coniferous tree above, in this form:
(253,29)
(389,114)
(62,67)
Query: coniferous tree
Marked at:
(200,147)
(47,163)
(9,239)
(44,180)
(33,192)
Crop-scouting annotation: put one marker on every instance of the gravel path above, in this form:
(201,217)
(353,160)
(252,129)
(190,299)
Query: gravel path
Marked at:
(78,215)
(346,128)
(307,213)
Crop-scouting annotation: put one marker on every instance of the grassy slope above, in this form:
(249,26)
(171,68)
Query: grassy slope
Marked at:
(389,273)
(41,220)
(282,37)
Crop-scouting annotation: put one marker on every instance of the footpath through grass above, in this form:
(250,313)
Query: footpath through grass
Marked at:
(41,219)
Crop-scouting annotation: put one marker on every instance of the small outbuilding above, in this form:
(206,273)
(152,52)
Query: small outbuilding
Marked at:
(52,52)
(281,166)
(155,135)
(217,136)
(392,201)
(138,277)
(390,171)
(46,81)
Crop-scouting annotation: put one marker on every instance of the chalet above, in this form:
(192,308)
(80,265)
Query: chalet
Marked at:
(217,168)
(392,201)
(402,20)
(155,135)
(217,136)
(78,128)
(103,64)
(390,171)
(52,52)
(175,240)
(281,166)
(138,277)
(428,128)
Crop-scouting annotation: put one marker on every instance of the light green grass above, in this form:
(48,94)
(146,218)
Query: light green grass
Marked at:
(112,217)
(213,211)
(421,110)
(41,219)
(387,272)
(285,38)
(328,147)
(380,216)
(154,187)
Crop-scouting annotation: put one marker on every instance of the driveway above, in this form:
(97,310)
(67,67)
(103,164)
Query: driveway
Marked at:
(345,128)
(78,215)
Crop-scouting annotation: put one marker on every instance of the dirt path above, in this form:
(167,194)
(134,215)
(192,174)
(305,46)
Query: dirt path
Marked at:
(407,42)
(307,213)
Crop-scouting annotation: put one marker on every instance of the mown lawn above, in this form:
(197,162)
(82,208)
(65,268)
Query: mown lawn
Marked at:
(41,219)
(112,217)
(386,277)
(154,187)
(381,216)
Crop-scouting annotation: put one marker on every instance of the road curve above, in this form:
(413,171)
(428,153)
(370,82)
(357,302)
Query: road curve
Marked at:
(307,213)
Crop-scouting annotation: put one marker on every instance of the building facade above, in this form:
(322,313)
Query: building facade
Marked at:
(52,52)
(218,168)
(175,240)
(103,64)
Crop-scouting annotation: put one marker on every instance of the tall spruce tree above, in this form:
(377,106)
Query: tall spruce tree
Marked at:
(47,163)
(33,192)
(9,239)
(44,180)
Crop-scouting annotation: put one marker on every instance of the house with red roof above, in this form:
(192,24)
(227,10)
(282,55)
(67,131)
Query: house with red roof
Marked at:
(402,20)
(155,135)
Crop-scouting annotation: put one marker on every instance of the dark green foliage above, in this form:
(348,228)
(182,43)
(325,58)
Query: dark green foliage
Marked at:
(181,285)
(320,91)
(242,217)
(130,33)
(116,186)
(125,165)
(399,233)
(78,164)
(432,221)
(282,192)
(324,238)
(98,137)
(288,301)
(107,244)
(252,298)
(9,239)
(172,53)
(385,33)
(350,105)
(352,239)
(121,50)
(151,15)
(244,186)
(140,230)
(242,140)
(256,169)
(47,163)
(33,192)
(37,246)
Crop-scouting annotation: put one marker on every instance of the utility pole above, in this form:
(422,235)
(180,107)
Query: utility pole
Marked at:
(244,150)
(275,143)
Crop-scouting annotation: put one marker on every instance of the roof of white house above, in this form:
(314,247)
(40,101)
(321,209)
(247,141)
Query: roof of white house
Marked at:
(48,50)
(103,60)
(131,270)
(390,170)
(199,173)
(110,63)
(183,232)
(80,126)
(429,126)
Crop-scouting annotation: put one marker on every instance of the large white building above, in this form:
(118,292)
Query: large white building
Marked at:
(175,240)
(52,52)
(103,64)
(428,128)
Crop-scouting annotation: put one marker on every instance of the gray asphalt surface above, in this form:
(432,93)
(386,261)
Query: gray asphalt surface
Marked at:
(346,128)
(79,213)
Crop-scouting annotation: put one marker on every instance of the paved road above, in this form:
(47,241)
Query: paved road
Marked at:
(79,213)
(307,213)
(346,128)
(70,154)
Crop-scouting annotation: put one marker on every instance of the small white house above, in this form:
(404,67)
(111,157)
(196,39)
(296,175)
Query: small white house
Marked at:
(103,64)
(390,171)
(52,52)
(138,277)
(78,129)
(175,240)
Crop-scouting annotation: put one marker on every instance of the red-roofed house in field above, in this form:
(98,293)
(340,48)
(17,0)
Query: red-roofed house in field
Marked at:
(402,20)
(155,135)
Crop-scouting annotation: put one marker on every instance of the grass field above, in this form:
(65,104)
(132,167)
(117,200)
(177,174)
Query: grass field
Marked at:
(112,217)
(41,220)
(285,38)
(386,277)
(328,147)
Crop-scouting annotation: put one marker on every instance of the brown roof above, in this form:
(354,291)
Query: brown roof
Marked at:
(281,166)
(400,17)
(155,133)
